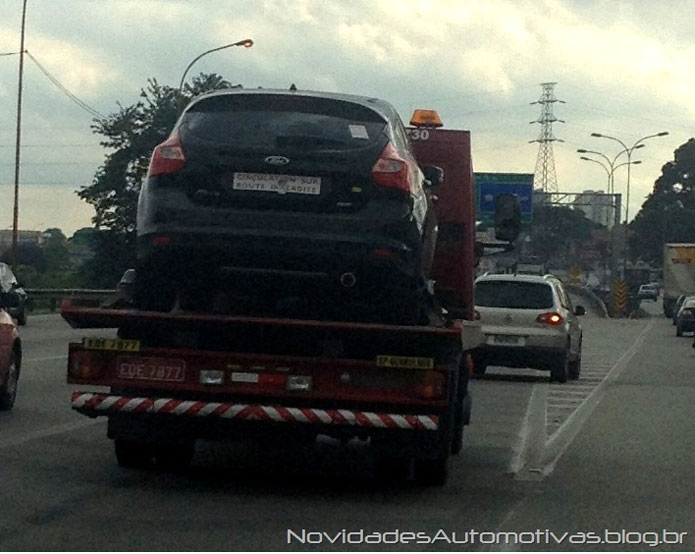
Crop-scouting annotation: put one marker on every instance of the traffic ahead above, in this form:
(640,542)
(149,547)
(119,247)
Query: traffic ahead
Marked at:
(557,457)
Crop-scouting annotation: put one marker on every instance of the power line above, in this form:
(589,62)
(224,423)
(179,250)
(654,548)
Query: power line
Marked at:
(69,94)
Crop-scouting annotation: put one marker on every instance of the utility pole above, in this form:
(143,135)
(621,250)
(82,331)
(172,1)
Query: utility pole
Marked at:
(544,177)
(15,215)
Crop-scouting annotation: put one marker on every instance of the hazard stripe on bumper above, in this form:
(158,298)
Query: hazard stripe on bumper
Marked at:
(114,404)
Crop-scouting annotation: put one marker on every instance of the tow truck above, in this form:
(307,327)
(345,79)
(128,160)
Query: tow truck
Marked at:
(167,379)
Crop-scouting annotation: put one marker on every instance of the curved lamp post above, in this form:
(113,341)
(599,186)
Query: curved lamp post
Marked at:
(628,149)
(246,43)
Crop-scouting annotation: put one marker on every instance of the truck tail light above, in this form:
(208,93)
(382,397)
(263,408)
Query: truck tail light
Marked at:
(550,318)
(431,386)
(167,158)
(84,365)
(391,170)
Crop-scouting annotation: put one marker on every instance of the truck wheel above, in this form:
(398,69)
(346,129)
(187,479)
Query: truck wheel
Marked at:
(131,454)
(8,392)
(174,457)
(559,370)
(22,317)
(432,472)
(392,469)
(457,439)
(479,365)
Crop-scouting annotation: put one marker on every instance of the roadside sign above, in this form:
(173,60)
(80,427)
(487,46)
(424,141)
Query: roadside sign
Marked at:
(490,185)
(620,296)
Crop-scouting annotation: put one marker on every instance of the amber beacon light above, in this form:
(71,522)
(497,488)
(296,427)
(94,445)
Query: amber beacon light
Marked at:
(425,118)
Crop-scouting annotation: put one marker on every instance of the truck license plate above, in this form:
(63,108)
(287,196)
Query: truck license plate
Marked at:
(99,343)
(151,369)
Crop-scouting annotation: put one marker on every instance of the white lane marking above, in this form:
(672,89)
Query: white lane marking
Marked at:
(48,432)
(564,435)
(528,453)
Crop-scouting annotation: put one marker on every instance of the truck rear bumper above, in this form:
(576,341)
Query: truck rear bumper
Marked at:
(96,404)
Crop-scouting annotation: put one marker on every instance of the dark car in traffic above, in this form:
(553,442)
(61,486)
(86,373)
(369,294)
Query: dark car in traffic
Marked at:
(19,305)
(287,202)
(10,352)
(685,319)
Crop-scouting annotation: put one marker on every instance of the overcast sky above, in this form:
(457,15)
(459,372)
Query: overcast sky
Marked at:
(623,68)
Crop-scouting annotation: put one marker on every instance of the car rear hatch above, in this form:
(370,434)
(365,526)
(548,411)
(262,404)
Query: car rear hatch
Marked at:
(514,307)
(279,152)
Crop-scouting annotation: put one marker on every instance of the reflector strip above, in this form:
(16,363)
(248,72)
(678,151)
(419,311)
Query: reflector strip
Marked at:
(105,403)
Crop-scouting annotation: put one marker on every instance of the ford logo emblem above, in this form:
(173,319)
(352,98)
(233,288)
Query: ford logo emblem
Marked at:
(277,160)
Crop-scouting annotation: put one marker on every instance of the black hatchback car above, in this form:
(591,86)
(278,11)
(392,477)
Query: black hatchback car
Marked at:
(269,202)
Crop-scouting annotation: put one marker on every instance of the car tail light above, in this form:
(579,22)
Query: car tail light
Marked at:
(550,318)
(167,157)
(391,170)
(688,311)
(431,386)
(84,365)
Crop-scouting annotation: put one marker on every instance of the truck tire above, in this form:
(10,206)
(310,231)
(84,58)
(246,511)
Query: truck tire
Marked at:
(479,365)
(8,392)
(392,469)
(22,317)
(432,472)
(133,455)
(559,370)
(174,457)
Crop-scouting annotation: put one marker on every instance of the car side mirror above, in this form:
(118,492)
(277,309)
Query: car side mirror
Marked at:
(8,300)
(433,174)
(507,217)
(579,310)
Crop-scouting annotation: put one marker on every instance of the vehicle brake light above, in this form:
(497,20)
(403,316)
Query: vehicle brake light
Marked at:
(84,365)
(687,311)
(550,318)
(391,170)
(167,158)
(431,386)
(161,240)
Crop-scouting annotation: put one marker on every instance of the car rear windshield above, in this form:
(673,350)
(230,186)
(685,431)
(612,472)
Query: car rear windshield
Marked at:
(270,121)
(514,294)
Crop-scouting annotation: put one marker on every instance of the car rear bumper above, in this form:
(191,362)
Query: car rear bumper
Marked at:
(537,358)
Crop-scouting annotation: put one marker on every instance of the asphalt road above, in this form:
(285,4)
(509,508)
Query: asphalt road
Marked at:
(611,451)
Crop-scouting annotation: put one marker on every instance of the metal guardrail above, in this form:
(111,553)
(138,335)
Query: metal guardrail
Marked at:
(55,296)
(69,293)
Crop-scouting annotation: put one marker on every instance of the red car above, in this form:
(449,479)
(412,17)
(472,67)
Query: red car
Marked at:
(10,353)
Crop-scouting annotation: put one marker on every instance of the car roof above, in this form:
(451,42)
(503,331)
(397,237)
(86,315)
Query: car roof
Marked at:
(383,108)
(545,279)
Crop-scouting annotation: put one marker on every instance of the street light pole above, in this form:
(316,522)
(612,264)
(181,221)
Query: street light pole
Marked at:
(18,143)
(246,43)
(628,149)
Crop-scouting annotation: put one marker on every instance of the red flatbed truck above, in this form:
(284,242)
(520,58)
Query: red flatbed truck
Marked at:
(168,379)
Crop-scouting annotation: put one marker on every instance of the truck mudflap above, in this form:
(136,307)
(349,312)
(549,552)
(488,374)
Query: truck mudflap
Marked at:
(96,404)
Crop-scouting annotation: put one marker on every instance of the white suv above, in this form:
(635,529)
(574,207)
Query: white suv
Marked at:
(528,321)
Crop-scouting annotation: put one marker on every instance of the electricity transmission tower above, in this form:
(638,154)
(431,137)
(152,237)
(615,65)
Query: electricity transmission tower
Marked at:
(544,177)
